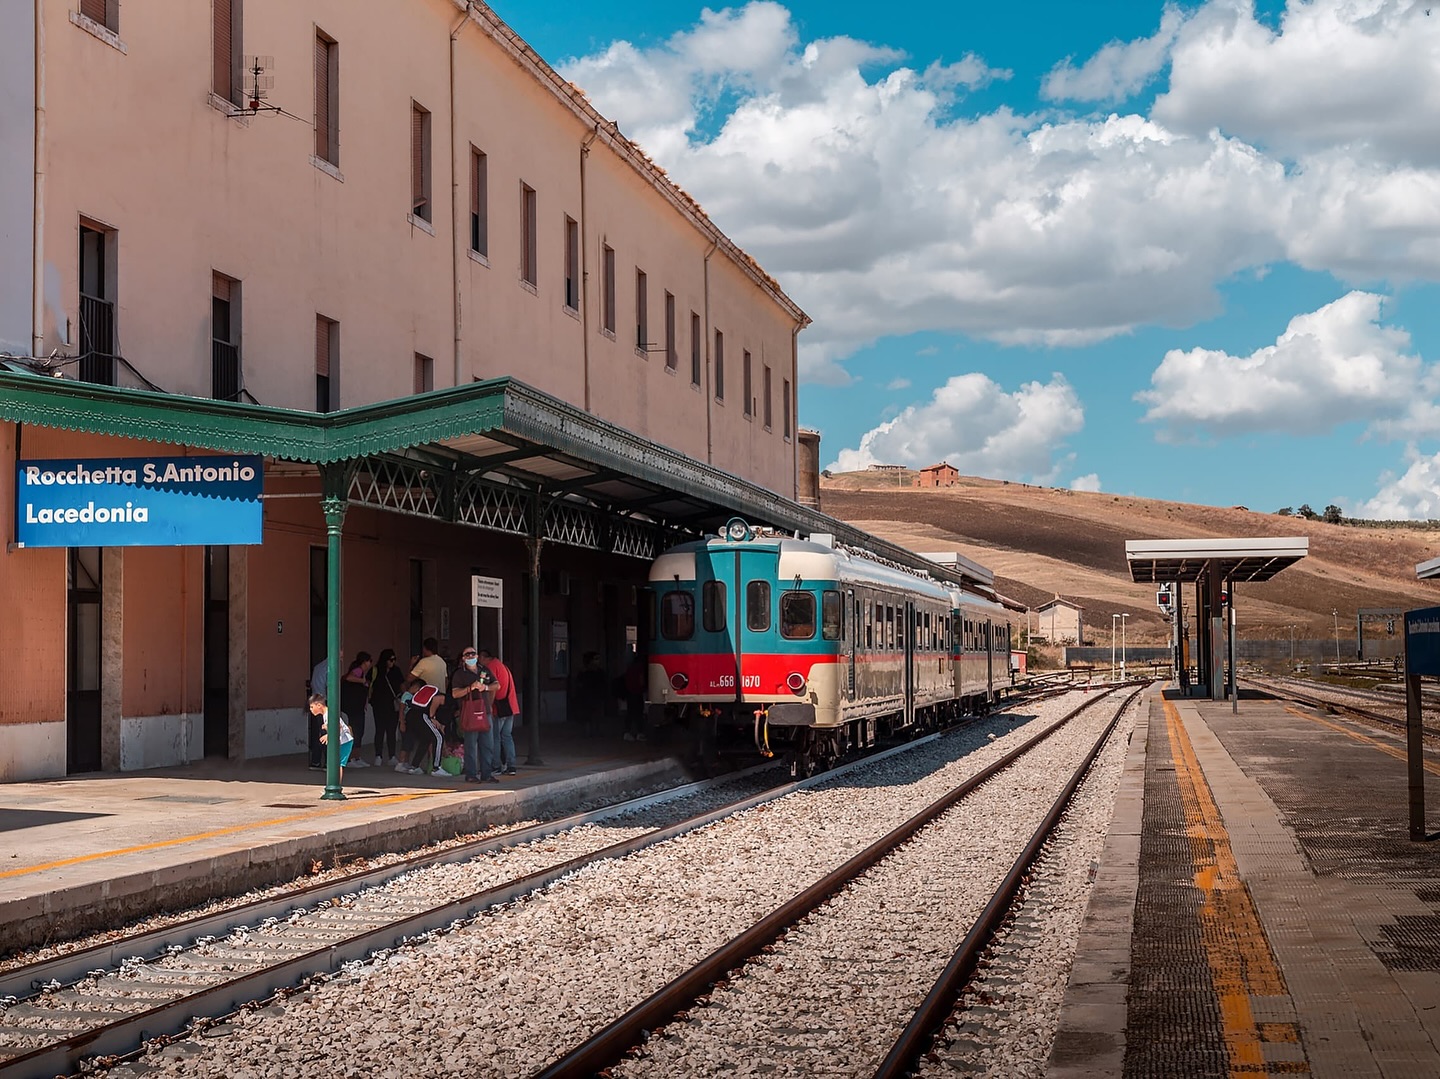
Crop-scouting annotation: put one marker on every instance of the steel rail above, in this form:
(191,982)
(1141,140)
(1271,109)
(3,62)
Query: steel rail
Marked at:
(120,1037)
(915,1040)
(23,981)
(608,1045)
(1270,689)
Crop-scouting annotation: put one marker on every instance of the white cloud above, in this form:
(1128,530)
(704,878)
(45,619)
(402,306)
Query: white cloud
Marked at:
(1332,366)
(885,210)
(979,428)
(1414,496)
(1336,73)
(898,384)
(1118,70)
(1088,482)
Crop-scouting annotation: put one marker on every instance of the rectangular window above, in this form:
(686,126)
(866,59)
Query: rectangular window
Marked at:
(608,270)
(695,346)
(572,264)
(226,42)
(224,338)
(766,400)
(797,615)
(719,366)
(98,263)
(420,204)
(529,228)
(757,606)
(869,626)
(747,382)
(104,12)
(327,99)
(479,202)
(327,366)
(672,355)
(832,616)
(424,373)
(785,404)
(677,616)
(642,310)
(713,606)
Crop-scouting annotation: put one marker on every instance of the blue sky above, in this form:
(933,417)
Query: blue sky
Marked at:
(1179,251)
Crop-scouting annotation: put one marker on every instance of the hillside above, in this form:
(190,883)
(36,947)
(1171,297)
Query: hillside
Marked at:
(1041,541)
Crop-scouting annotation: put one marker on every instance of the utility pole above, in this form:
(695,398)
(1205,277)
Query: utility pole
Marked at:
(1113,619)
(1335,613)
(1292,649)
(1122,646)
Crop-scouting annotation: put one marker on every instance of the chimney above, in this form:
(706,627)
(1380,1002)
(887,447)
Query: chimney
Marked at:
(809,467)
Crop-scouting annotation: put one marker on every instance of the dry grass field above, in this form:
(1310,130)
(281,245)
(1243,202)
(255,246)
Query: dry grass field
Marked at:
(1043,541)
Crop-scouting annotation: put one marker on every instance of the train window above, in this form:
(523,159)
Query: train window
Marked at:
(757,606)
(797,615)
(712,606)
(929,635)
(677,616)
(869,625)
(832,616)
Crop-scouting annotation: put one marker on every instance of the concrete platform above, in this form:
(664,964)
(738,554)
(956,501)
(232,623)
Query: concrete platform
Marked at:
(1259,909)
(88,851)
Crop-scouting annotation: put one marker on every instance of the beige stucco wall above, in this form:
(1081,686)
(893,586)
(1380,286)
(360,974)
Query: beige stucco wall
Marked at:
(136,143)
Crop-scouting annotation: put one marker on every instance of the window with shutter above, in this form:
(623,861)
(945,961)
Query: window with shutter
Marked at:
(226,59)
(327,99)
(104,12)
(529,225)
(326,342)
(420,162)
(479,199)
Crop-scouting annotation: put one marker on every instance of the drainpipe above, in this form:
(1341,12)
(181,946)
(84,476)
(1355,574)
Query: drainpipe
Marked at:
(709,395)
(37,271)
(455,196)
(585,268)
(793,419)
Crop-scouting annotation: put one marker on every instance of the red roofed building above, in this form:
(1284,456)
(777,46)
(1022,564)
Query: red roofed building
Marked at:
(941,475)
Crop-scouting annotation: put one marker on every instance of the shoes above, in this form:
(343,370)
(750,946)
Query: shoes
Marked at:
(494,779)
(392,761)
(380,761)
(629,737)
(508,772)
(472,779)
(359,762)
(402,767)
(317,768)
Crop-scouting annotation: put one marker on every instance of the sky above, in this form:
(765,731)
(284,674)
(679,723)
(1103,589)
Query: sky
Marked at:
(1182,251)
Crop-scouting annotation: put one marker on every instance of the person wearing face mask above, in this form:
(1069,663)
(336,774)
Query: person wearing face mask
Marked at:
(471,688)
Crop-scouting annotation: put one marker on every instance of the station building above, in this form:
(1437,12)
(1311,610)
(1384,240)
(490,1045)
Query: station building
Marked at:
(392,253)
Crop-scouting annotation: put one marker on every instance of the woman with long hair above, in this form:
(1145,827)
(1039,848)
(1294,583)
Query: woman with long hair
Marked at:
(386,684)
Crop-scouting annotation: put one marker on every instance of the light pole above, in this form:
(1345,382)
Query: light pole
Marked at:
(1122,646)
(1335,613)
(1113,619)
(1292,649)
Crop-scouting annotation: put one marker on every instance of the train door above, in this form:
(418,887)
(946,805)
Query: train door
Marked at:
(909,653)
(852,635)
(989,660)
(747,577)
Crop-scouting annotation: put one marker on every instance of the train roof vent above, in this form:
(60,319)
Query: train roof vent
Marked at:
(825,539)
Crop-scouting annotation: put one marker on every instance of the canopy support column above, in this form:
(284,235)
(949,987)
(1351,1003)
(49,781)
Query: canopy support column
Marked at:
(336,480)
(532,623)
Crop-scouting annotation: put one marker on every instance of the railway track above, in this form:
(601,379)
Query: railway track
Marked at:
(885,867)
(1316,697)
(101,1002)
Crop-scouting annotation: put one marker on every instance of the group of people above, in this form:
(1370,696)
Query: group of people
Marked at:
(426,722)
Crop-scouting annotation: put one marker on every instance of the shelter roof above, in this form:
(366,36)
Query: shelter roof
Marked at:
(1426,571)
(501,429)
(1058,602)
(1256,558)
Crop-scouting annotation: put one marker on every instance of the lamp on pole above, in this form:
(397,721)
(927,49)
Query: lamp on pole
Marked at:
(1122,646)
(1335,613)
(1292,649)
(1113,619)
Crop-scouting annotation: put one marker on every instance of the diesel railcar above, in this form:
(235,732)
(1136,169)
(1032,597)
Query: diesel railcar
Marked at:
(813,649)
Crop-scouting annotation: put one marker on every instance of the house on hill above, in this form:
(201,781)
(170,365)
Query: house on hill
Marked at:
(1059,622)
(942,475)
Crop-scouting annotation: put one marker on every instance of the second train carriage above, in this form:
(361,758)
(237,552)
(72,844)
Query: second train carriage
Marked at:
(814,649)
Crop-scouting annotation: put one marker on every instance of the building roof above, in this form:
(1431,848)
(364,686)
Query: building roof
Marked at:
(940,467)
(1249,559)
(1058,602)
(1426,571)
(499,433)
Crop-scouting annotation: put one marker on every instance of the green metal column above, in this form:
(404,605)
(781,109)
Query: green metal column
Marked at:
(336,479)
(531,704)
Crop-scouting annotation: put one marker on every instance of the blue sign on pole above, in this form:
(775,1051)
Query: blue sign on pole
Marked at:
(1422,641)
(139,502)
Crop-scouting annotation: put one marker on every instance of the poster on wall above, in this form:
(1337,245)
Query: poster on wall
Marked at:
(139,502)
(559,649)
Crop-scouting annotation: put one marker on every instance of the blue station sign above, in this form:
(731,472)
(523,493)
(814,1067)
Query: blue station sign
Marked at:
(1422,641)
(139,502)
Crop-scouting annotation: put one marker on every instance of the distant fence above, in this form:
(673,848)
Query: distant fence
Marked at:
(1312,650)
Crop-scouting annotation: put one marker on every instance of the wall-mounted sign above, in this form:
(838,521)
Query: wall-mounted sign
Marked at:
(487,592)
(139,502)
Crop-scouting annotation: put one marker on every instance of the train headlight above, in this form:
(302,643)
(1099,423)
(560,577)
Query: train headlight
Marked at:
(796,682)
(678,680)
(736,530)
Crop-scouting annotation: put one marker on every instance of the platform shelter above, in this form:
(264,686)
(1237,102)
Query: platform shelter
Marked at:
(1214,567)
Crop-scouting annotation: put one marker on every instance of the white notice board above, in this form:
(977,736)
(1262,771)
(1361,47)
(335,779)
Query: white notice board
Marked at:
(487,592)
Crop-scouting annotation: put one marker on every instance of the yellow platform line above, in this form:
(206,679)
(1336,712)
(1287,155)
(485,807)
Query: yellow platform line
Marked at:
(232,830)
(1398,754)
(1241,963)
